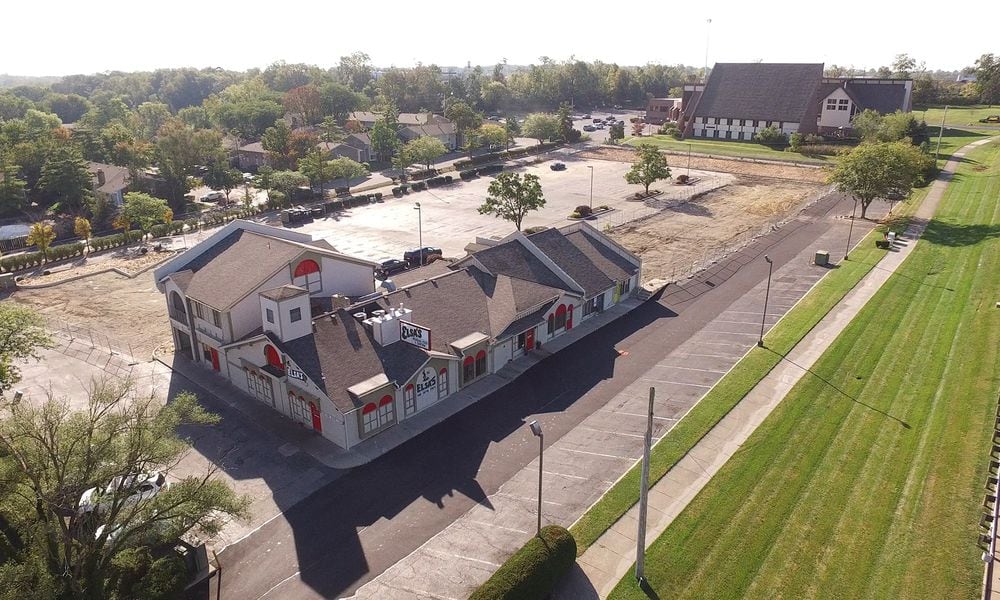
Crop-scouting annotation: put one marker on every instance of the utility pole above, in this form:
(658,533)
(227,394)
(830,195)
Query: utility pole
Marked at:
(708,31)
(941,132)
(640,543)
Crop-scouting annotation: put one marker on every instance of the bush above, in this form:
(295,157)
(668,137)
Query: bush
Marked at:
(419,186)
(682,179)
(770,136)
(160,230)
(584,210)
(191,224)
(176,227)
(533,571)
(796,141)
(821,149)
(65,251)
(535,229)
(575,215)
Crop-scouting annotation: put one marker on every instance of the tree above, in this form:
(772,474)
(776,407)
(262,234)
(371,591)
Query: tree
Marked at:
(22,335)
(867,125)
(347,169)
(425,150)
(567,133)
(317,169)
(384,138)
(179,149)
(285,182)
(903,66)
(277,141)
(339,101)
(650,166)
(464,117)
(493,135)
(512,196)
(331,131)
(305,103)
(50,452)
(12,197)
(65,178)
(220,176)
(541,126)
(355,70)
(42,235)
(143,210)
(152,116)
(616,133)
(878,170)
(81,227)
(987,70)
(513,129)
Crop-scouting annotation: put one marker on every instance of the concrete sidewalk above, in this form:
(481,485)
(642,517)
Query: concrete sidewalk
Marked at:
(609,559)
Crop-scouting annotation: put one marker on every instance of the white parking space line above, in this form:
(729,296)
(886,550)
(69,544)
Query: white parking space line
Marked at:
(739,322)
(635,435)
(628,414)
(675,382)
(598,454)
(486,524)
(710,355)
(750,312)
(442,554)
(731,332)
(515,497)
(567,475)
(691,369)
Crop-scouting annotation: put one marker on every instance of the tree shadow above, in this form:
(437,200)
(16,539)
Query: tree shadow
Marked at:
(945,233)
(690,208)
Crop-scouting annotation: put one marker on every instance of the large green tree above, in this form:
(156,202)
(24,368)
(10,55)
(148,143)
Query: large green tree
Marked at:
(317,168)
(464,117)
(425,150)
(384,138)
(347,169)
(511,197)
(50,453)
(65,179)
(22,335)
(144,210)
(649,167)
(221,176)
(12,196)
(987,70)
(338,101)
(884,170)
(179,149)
(542,127)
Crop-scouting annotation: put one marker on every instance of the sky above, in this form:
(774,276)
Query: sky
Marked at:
(61,37)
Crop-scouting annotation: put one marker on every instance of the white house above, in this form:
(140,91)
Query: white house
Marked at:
(296,326)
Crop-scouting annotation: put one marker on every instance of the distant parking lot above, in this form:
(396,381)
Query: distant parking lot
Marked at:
(450,219)
(600,135)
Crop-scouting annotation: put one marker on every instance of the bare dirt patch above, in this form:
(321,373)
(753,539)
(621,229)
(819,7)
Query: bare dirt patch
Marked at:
(129,311)
(719,165)
(128,262)
(686,237)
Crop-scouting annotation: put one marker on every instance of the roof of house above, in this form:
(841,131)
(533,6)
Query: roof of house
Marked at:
(115,177)
(363,116)
(611,263)
(760,91)
(284,292)
(359,140)
(515,260)
(572,261)
(434,269)
(434,130)
(883,97)
(253,147)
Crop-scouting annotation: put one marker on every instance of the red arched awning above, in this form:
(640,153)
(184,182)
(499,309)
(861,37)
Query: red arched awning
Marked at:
(468,360)
(408,387)
(369,408)
(443,371)
(272,356)
(306,267)
(481,354)
(387,399)
(561,310)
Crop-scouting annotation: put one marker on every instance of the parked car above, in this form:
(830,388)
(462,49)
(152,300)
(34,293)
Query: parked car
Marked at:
(142,486)
(212,197)
(388,266)
(991,119)
(412,257)
(589,128)
(558,166)
(586,116)
(596,121)
(610,118)
(599,126)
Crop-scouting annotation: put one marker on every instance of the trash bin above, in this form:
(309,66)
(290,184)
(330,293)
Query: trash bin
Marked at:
(822,258)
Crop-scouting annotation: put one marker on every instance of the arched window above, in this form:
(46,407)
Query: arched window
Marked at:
(369,417)
(307,275)
(480,363)
(552,326)
(409,400)
(177,303)
(560,318)
(569,317)
(385,410)
(442,383)
(273,358)
(468,369)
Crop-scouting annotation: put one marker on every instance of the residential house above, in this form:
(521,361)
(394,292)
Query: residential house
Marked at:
(253,156)
(110,182)
(446,132)
(740,99)
(662,110)
(356,146)
(256,307)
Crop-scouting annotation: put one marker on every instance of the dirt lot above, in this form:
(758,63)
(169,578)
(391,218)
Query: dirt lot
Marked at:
(736,167)
(685,237)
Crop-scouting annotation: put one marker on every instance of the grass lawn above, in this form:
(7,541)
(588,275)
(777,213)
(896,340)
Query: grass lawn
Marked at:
(735,384)
(867,480)
(724,148)
(952,140)
(958,116)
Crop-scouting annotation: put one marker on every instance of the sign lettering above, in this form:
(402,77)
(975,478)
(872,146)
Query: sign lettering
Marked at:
(296,374)
(415,335)
(426,384)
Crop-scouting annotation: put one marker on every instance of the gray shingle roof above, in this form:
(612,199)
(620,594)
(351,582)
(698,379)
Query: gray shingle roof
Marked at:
(761,91)
(885,97)
(514,260)
(612,264)
(572,261)
(284,292)
(115,177)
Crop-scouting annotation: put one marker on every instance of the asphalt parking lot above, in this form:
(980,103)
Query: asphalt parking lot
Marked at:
(601,135)
(449,218)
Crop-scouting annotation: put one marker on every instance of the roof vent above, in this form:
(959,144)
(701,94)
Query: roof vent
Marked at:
(378,313)
(360,316)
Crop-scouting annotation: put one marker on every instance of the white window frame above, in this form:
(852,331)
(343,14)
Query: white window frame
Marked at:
(292,315)
(369,421)
(442,384)
(385,413)
(269,315)
(409,400)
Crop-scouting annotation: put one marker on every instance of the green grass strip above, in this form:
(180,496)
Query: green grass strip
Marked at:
(866,480)
(737,382)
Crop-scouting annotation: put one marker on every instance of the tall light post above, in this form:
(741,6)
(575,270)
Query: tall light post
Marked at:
(941,132)
(767,293)
(420,232)
(536,429)
(850,230)
(689,161)
(591,167)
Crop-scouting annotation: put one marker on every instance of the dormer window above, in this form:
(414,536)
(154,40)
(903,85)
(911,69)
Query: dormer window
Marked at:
(295,315)
(307,275)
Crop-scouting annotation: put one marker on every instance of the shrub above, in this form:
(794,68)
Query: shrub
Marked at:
(533,571)
(176,227)
(584,210)
(796,141)
(602,207)
(574,215)
(160,230)
(770,136)
(682,179)
(821,149)
(535,229)
(191,224)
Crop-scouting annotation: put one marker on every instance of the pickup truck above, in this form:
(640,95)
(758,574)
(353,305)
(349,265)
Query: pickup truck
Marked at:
(991,119)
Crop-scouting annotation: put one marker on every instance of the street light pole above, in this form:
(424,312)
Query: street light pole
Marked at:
(767,293)
(640,545)
(850,230)
(591,167)
(420,232)
(689,161)
(941,132)
(536,430)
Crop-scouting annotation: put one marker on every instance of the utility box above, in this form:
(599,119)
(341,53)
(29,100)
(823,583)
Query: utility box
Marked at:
(822,258)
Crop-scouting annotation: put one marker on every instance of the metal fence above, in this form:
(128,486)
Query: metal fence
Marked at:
(90,337)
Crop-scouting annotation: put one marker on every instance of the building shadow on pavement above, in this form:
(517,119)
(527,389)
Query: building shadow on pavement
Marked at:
(364,520)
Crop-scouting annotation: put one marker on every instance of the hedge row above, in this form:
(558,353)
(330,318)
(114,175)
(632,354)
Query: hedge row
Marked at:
(64,251)
(113,241)
(533,571)
(506,154)
(26,260)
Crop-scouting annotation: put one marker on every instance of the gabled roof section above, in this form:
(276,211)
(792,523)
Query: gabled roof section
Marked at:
(514,259)
(615,266)
(115,177)
(572,261)
(761,91)
(882,97)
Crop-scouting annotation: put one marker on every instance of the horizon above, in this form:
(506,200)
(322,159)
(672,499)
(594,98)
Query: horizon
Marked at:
(255,36)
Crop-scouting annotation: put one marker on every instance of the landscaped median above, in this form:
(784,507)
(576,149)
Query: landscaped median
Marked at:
(533,571)
(727,393)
